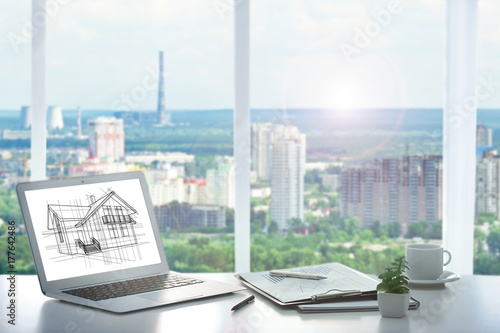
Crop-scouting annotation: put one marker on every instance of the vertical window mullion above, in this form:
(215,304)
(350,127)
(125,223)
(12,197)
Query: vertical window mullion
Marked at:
(38,99)
(459,128)
(242,135)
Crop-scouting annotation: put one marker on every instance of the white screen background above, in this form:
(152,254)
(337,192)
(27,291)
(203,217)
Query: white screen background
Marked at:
(61,266)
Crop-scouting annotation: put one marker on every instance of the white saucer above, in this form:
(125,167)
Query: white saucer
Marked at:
(447,276)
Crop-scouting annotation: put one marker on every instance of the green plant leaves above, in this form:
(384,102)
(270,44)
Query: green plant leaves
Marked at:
(393,279)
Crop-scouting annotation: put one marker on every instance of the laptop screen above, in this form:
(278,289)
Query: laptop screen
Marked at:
(92,228)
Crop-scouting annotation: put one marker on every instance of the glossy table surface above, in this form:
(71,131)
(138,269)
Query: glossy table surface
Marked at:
(471,304)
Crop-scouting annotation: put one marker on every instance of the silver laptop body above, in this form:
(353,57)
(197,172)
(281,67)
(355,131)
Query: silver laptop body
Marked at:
(93,230)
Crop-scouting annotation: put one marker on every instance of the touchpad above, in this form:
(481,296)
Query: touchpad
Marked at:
(165,297)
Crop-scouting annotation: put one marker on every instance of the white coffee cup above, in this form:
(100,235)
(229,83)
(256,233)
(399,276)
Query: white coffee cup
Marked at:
(425,261)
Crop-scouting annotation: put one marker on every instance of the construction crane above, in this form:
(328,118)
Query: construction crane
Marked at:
(59,166)
(25,167)
(25,160)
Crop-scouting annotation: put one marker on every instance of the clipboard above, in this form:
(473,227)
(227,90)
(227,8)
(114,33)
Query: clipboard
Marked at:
(368,304)
(341,283)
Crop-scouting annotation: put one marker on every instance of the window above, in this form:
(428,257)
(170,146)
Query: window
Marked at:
(112,230)
(346,112)
(15,154)
(120,217)
(103,60)
(329,53)
(487,210)
(139,86)
(124,230)
(15,86)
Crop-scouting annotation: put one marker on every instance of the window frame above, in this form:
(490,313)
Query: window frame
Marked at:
(458,142)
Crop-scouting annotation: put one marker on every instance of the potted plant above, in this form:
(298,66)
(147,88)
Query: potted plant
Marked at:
(393,294)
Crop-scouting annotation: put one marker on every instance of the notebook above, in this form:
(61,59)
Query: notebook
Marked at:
(95,242)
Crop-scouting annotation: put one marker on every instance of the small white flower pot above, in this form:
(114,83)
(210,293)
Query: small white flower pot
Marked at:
(393,305)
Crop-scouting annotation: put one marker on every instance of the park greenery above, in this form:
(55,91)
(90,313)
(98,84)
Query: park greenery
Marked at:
(331,238)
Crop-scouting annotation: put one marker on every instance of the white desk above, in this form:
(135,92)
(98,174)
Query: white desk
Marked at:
(471,304)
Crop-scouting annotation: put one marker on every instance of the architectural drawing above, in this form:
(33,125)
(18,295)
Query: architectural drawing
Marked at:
(105,223)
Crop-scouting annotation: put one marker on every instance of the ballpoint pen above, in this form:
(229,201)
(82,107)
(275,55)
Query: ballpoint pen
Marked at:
(297,275)
(243,303)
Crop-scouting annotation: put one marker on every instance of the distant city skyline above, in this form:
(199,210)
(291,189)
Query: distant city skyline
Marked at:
(298,55)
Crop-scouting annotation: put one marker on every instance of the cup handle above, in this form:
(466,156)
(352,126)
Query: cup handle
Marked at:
(449,257)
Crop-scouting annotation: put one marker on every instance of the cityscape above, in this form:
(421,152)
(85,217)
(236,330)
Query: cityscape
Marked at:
(311,202)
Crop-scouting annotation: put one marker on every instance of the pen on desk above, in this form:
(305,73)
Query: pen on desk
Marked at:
(243,303)
(297,275)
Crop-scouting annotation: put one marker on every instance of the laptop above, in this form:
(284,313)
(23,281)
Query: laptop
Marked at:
(95,242)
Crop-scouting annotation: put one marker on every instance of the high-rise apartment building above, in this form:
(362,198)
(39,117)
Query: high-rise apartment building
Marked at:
(487,173)
(177,216)
(372,191)
(106,139)
(196,190)
(261,134)
(220,185)
(488,183)
(405,190)
(287,153)
(390,188)
(168,190)
(432,182)
(484,136)
(279,156)
(350,188)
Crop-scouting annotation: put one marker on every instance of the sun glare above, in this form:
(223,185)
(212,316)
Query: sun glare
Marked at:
(343,95)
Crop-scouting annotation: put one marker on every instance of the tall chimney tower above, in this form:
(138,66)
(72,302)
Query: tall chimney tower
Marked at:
(161,116)
(79,122)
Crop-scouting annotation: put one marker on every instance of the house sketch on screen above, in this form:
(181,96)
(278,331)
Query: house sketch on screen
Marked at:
(105,223)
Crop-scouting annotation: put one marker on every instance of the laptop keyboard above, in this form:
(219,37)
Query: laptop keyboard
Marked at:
(130,287)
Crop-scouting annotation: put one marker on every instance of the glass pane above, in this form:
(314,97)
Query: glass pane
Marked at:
(15,112)
(15,85)
(147,85)
(346,131)
(487,228)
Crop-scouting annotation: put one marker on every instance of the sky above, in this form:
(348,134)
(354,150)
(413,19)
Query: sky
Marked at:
(304,53)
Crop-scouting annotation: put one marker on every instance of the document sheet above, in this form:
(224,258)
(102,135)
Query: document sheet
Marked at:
(340,281)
